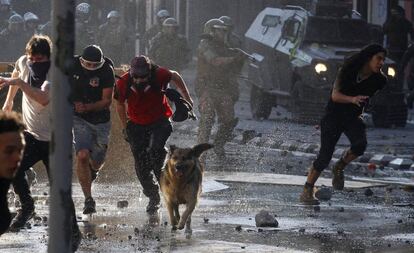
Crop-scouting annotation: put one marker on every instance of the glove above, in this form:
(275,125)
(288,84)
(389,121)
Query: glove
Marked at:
(125,135)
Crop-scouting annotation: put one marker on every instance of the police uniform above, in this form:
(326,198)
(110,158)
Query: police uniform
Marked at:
(112,39)
(13,42)
(169,51)
(217,93)
(85,35)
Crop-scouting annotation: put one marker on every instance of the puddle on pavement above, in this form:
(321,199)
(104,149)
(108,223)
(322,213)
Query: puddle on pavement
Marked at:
(208,246)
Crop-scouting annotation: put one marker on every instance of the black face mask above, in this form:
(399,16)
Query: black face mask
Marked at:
(141,86)
(38,72)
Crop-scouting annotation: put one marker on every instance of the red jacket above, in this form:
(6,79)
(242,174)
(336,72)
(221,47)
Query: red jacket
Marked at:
(145,106)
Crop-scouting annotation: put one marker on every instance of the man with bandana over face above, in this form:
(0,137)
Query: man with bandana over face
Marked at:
(92,82)
(30,76)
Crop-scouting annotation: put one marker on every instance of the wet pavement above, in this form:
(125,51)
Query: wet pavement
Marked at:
(224,220)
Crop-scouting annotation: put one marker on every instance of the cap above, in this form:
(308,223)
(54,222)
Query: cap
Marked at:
(140,66)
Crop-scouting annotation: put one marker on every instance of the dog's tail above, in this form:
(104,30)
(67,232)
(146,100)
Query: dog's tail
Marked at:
(200,148)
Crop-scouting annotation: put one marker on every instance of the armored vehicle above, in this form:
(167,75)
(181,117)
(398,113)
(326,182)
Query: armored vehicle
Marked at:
(300,52)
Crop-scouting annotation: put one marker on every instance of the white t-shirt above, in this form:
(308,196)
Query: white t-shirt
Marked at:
(35,116)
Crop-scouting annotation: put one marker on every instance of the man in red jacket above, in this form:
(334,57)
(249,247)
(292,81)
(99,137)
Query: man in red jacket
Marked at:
(144,113)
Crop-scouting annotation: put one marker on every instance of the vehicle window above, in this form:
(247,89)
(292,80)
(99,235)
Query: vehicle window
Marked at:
(291,29)
(337,31)
(271,21)
(322,30)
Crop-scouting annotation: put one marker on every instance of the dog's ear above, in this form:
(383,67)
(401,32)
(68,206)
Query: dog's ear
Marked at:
(172,148)
(197,150)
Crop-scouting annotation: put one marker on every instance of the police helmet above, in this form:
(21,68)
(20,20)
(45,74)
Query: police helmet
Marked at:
(16,19)
(83,9)
(29,16)
(212,24)
(92,57)
(5,2)
(170,22)
(113,14)
(163,14)
(227,21)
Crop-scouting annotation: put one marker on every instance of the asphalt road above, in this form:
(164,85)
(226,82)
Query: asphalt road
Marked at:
(224,221)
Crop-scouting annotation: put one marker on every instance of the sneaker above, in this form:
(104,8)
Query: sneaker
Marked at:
(22,217)
(153,205)
(338,179)
(90,206)
(307,197)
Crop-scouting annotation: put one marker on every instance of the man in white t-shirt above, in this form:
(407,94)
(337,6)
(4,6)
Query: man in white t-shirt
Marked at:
(30,76)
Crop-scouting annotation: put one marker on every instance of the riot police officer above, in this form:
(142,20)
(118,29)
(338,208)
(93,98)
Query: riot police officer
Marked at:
(13,39)
(5,13)
(233,40)
(170,49)
(155,29)
(113,37)
(84,31)
(213,85)
(31,23)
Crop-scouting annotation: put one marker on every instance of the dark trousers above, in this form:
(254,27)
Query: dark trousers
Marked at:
(34,152)
(220,105)
(147,144)
(332,128)
(5,216)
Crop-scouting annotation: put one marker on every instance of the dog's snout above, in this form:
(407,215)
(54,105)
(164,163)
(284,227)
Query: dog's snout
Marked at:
(180,167)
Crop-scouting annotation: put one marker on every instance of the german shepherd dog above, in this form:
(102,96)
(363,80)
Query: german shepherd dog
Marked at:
(181,182)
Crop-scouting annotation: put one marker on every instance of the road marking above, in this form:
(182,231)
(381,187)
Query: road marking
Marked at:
(280,179)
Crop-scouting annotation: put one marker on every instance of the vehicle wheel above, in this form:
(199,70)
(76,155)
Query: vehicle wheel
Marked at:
(260,103)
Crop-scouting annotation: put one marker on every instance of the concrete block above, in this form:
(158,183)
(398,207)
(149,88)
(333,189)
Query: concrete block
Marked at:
(401,164)
(383,160)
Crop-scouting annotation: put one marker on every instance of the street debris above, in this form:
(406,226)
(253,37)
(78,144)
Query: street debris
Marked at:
(264,219)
